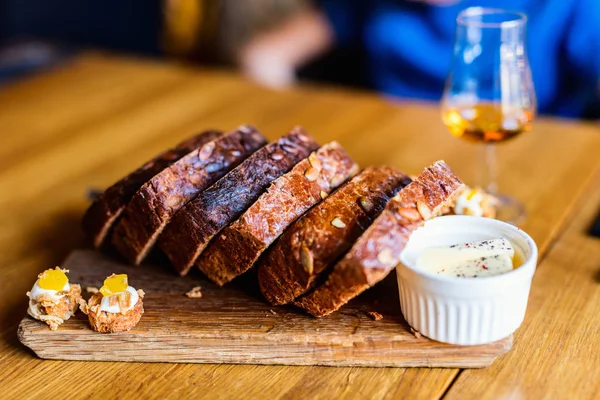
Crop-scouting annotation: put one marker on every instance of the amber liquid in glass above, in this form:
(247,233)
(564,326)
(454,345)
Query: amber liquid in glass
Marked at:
(486,122)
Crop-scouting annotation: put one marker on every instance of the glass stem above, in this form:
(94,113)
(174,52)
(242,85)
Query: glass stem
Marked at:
(488,172)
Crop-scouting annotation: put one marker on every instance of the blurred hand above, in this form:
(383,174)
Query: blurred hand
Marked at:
(264,61)
(272,58)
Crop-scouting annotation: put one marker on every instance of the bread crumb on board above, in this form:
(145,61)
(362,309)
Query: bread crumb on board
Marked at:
(91,289)
(195,293)
(416,333)
(374,315)
(273,312)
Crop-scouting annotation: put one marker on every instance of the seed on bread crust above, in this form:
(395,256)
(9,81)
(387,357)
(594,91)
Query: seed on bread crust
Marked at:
(312,174)
(314,161)
(276,156)
(338,223)
(306,258)
(386,257)
(206,151)
(289,148)
(337,180)
(409,213)
(424,210)
(366,204)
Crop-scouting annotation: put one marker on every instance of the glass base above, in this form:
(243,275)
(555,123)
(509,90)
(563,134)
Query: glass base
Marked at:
(510,210)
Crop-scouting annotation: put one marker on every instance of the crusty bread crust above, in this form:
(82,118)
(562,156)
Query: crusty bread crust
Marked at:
(378,250)
(103,212)
(316,240)
(152,207)
(196,224)
(237,247)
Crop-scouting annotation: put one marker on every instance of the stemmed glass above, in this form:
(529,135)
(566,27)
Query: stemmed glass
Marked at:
(489,95)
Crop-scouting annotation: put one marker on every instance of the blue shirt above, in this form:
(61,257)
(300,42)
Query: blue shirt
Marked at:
(409,47)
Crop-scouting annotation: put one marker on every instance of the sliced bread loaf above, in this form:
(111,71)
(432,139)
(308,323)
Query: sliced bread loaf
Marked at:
(103,212)
(153,205)
(377,251)
(316,240)
(196,224)
(237,247)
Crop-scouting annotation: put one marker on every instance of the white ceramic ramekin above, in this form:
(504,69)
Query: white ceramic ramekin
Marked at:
(465,311)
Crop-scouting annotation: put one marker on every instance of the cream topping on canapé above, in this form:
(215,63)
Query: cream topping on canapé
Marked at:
(117,295)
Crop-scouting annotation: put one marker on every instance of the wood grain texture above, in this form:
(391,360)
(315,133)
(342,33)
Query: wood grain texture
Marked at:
(88,123)
(235,325)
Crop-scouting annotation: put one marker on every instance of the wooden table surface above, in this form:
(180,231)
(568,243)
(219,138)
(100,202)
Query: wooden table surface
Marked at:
(97,117)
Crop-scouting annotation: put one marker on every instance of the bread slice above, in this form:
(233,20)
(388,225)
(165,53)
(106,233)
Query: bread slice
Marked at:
(153,205)
(102,213)
(316,240)
(197,223)
(237,247)
(378,250)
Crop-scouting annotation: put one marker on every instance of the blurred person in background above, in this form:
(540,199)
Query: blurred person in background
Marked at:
(401,48)
(37,32)
(407,47)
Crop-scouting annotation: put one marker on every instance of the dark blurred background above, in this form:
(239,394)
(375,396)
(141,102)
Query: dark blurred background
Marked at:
(398,47)
(33,32)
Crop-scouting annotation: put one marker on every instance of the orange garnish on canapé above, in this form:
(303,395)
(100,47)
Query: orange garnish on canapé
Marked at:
(471,194)
(114,284)
(53,279)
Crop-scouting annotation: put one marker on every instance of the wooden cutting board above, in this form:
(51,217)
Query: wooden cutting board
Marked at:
(234,324)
